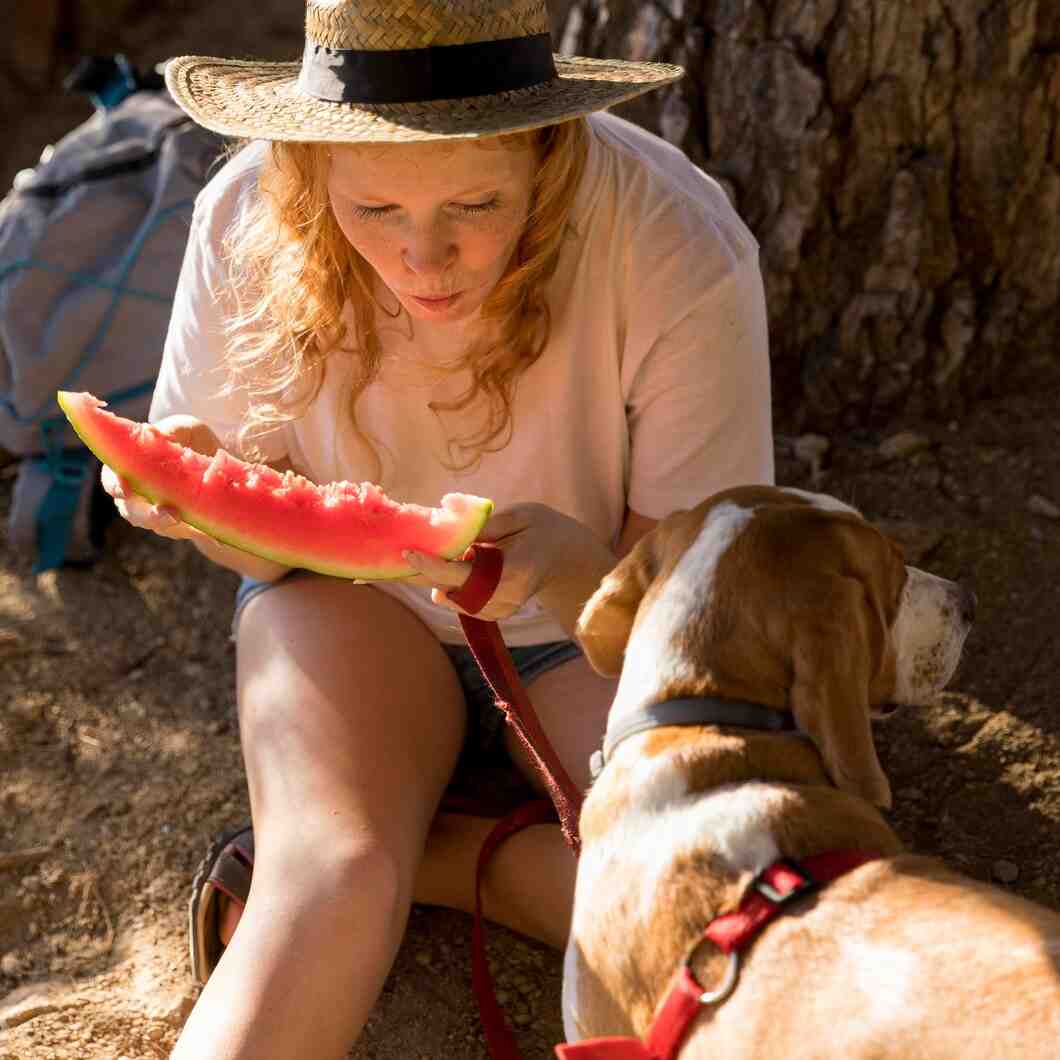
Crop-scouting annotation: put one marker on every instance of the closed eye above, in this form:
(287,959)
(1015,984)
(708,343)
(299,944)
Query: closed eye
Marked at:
(478,207)
(375,212)
(371,211)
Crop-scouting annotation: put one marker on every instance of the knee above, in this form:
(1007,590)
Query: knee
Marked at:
(367,867)
(348,877)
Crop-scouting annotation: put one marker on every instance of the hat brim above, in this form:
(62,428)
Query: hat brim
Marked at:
(259,100)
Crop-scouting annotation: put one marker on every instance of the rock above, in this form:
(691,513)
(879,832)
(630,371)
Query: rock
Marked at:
(810,448)
(29,1002)
(950,486)
(1005,871)
(12,644)
(903,445)
(179,1010)
(916,540)
(1039,505)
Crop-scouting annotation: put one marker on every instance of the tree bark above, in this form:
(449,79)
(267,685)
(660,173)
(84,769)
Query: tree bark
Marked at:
(899,162)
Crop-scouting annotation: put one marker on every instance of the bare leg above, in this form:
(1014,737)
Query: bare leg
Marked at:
(537,905)
(529,883)
(351,720)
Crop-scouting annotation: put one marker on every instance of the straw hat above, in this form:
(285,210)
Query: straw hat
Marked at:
(400,70)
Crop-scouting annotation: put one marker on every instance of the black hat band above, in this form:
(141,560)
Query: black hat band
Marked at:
(419,75)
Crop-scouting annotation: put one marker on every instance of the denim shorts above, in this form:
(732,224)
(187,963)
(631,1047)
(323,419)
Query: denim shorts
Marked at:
(484,719)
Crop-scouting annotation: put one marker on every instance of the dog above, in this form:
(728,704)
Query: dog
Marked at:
(789,621)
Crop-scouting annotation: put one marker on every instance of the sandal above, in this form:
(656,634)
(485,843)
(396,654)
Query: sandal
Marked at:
(225,869)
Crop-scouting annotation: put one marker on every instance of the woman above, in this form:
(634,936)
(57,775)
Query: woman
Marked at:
(439,267)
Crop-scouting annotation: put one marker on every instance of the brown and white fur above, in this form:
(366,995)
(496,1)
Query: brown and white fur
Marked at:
(792,600)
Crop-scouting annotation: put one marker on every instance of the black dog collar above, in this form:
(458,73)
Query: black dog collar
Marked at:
(696,710)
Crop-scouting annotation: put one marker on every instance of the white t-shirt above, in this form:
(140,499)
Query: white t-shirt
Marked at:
(653,391)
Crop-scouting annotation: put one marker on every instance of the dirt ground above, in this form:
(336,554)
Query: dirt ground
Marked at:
(120,754)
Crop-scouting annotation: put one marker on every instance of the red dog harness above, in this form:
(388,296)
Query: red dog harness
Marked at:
(769,895)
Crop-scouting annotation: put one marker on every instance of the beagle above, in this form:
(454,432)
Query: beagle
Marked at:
(754,638)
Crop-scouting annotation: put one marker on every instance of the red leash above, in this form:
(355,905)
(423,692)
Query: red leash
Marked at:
(495,661)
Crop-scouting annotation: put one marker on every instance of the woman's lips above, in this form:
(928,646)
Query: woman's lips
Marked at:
(436,303)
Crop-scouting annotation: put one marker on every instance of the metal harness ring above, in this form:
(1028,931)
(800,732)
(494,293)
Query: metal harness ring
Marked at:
(728,984)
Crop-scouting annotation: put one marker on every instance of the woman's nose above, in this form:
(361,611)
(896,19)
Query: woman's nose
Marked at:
(429,252)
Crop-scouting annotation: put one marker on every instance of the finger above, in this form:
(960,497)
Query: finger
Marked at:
(441,598)
(112,482)
(421,581)
(159,519)
(487,569)
(136,509)
(503,524)
(449,573)
(167,518)
(418,580)
(492,612)
(170,523)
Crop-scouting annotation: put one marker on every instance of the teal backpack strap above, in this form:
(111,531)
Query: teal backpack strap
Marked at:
(61,500)
(58,510)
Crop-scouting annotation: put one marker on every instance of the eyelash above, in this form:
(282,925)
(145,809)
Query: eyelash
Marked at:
(372,213)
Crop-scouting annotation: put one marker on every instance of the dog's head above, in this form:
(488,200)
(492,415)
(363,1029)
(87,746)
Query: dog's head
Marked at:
(784,598)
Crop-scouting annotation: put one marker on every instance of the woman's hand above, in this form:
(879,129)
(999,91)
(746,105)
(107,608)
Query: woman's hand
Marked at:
(546,554)
(136,509)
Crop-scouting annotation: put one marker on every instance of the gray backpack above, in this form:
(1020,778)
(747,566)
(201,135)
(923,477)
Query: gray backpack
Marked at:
(91,243)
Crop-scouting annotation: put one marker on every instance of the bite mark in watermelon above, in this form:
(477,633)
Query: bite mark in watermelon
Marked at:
(345,529)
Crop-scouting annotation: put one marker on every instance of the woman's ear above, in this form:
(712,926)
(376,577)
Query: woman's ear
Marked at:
(833,667)
(607,619)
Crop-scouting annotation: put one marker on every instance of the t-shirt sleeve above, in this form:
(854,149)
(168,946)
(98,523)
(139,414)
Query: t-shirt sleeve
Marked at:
(696,373)
(192,375)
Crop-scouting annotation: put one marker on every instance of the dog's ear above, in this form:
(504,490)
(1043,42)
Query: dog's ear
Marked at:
(607,619)
(834,662)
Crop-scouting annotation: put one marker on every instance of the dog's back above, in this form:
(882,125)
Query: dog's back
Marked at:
(792,602)
(904,959)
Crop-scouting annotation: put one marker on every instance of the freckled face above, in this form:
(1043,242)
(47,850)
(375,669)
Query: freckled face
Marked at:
(437,221)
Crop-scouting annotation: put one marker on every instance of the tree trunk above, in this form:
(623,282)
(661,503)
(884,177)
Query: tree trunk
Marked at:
(899,162)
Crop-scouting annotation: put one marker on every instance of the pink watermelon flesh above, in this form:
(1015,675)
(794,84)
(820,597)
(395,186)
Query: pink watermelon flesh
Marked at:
(343,528)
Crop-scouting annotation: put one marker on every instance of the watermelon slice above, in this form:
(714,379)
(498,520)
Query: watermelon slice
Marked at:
(342,528)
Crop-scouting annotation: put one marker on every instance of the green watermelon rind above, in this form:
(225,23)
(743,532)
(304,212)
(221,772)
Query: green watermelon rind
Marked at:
(466,530)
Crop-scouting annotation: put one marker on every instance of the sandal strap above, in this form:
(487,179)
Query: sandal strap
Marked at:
(232,867)
(225,869)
